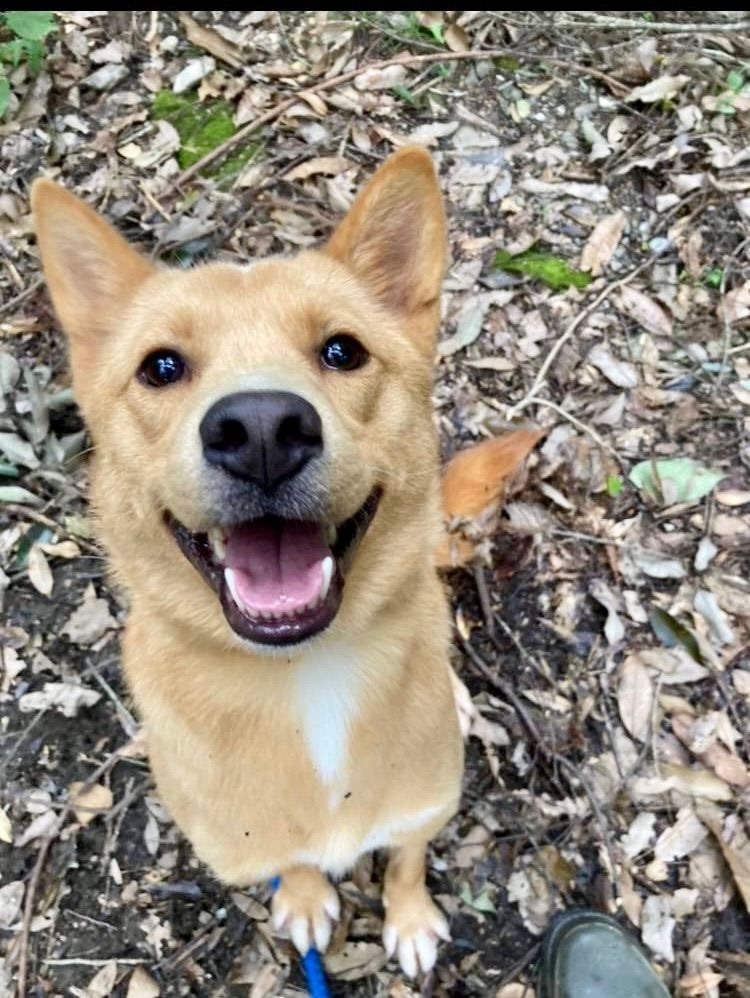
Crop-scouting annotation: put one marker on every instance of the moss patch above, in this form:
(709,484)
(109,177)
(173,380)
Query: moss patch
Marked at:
(202,127)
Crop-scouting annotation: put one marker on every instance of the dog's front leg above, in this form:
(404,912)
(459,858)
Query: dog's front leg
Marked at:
(305,905)
(413,922)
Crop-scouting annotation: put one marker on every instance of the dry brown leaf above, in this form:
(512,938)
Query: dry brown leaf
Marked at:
(102,983)
(475,480)
(681,838)
(356,960)
(662,88)
(635,698)
(210,41)
(89,802)
(142,985)
(734,843)
(331,166)
(40,574)
(695,782)
(456,38)
(645,311)
(602,243)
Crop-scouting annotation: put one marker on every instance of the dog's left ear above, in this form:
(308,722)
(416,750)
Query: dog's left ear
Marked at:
(394,239)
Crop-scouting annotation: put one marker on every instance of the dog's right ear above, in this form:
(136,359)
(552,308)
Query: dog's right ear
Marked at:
(91,271)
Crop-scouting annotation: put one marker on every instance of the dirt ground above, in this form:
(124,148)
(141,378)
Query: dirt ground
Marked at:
(603,627)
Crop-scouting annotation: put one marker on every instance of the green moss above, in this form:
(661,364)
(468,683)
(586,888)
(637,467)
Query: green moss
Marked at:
(202,127)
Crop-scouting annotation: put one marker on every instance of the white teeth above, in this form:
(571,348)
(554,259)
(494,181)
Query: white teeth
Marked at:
(328,567)
(229,578)
(216,540)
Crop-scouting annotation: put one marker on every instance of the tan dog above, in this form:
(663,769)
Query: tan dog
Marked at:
(266,485)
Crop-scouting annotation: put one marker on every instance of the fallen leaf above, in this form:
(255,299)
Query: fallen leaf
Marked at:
(381,79)
(673,480)
(212,42)
(40,574)
(659,566)
(673,664)
(635,698)
(89,802)
(40,826)
(639,835)
(6,828)
(735,846)
(552,270)
(657,926)
(707,606)
(645,311)
(356,960)
(331,166)
(732,497)
(142,985)
(11,899)
(468,325)
(68,698)
(602,243)
(697,783)
(101,984)
(475,480)
(18,451)
(151,835)
(620,372)
(90,621)
(662,88)
(614,629)
(681,838)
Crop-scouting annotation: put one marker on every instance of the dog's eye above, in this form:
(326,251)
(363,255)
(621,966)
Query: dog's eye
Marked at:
(162,367)
(343,353)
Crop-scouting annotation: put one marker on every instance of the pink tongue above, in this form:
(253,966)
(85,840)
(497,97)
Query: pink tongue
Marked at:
(277,565)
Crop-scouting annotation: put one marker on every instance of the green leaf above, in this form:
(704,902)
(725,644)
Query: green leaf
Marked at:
(672,633)
(552,270)
(13,52)
(18,494)
(735,80)
(4,95)
(33,25)
(713,277)
(677,479)
(8,470)
(436,30)
(614,485)
(481,902)
(404,93)
(507,63)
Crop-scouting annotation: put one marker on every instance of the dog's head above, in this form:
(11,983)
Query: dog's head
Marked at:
(268,425)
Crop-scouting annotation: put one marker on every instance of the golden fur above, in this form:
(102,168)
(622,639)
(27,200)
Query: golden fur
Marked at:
(239,739)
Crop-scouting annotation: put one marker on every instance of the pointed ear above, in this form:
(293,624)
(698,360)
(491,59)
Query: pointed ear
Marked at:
(91,271)
(394,239)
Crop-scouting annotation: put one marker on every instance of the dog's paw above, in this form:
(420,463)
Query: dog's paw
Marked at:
(411,932)
(305,907)
(464,707)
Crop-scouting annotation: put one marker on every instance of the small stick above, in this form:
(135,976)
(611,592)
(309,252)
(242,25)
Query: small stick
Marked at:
(568,332)
(653,27)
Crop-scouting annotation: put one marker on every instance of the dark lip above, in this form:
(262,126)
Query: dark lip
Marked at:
(286,630)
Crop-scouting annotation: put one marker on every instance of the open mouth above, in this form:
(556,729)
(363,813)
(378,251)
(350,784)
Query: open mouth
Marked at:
(279,581)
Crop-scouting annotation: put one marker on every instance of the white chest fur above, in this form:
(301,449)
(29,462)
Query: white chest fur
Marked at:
(327,684)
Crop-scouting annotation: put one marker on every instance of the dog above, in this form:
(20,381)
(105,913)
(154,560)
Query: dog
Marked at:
(265,483)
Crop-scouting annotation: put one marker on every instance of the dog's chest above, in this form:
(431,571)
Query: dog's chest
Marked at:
(327,689)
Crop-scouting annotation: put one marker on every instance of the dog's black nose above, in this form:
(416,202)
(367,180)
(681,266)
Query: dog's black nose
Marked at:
(261,437)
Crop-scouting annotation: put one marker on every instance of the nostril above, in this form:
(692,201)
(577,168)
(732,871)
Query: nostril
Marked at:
(232,435)
(291,431)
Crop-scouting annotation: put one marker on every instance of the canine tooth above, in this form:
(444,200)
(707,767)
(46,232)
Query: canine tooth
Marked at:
(216,539)
(327,567)
(229,578)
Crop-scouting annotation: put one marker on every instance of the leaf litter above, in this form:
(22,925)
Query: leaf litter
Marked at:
(605,541)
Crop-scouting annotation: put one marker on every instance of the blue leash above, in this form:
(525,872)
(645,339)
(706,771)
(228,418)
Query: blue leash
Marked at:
(312,965)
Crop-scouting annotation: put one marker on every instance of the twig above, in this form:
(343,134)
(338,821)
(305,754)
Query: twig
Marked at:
(74,961)
(653,27)
(583,427)
(541,377)
(36,873)
(404,60)
(10,305)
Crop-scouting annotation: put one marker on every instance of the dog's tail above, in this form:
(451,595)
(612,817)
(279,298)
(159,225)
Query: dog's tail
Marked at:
(474,484)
